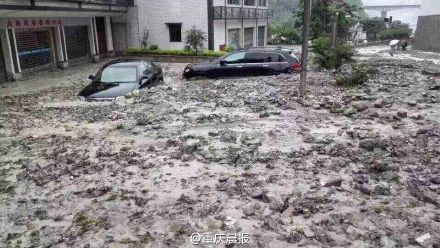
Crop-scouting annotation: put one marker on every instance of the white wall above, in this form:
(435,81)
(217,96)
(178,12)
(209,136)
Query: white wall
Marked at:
(153,15)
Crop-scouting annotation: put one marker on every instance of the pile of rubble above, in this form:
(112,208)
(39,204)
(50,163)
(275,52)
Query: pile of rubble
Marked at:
(345,167)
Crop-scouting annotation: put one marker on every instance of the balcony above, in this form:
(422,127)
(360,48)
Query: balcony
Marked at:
(222,12)
(50,8)
(103,2)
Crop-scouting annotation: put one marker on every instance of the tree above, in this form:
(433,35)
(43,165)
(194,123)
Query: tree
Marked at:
(145,38)
(323,14)
(195,39)
(373,26)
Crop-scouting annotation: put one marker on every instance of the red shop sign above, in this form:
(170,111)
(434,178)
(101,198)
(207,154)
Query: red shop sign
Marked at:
(33,23)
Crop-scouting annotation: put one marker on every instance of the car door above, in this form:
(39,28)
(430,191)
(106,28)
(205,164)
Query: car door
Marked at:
(231,65)
(257,63)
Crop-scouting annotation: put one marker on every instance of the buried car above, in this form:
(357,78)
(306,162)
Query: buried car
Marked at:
(251,62)
(120,77)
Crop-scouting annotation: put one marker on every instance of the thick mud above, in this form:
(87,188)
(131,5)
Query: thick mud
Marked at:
(347,167)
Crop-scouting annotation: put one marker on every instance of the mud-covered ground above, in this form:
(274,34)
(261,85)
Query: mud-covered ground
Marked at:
(348,167)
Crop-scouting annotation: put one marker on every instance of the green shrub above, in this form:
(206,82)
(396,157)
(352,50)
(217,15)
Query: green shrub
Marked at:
(358,75)
(195,39)
(142,51)
(395,33)
(331,58)
(154,47)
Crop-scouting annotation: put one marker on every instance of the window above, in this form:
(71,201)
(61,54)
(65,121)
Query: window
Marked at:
(236,58)
(234,2)
(262,3)
(119,74)
(234,39)
(175,32)
(263,57)
(249,2)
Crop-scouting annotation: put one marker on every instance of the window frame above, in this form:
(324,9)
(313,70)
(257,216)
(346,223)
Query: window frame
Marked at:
(254,3)
(172,29)
(262,3)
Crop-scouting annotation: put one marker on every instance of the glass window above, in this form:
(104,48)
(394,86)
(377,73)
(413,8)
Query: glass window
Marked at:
(234,2)
(175,32)
(249,2)
(263,57)
(262,3)
(236,58)
(119,74)
(234,37)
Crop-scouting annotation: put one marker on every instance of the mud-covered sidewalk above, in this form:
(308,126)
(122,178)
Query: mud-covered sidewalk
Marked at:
(355,167)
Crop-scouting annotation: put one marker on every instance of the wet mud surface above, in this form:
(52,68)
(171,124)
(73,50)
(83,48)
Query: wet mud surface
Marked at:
(347,167)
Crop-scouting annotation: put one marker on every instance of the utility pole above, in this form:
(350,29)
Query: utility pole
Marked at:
(305,46)
(335,30)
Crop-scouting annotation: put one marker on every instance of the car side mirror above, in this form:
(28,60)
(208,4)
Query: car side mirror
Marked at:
(223,62)
(143,77)
(91,77)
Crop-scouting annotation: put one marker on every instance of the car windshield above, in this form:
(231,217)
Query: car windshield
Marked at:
(119,74)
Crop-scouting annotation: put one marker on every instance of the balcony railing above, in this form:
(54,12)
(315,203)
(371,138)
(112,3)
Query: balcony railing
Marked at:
(222,12)
(104,2)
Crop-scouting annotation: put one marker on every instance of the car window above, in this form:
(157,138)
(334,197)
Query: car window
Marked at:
(263,57)
(119,74)
(236,58)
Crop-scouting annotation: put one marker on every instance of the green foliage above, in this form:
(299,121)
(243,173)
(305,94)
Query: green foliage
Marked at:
(373,26)
(229,49)
(145,38)
(142,51)
(331,58)
(360,73)
(154,47)
(283,33)
(195,39)
(395,33)
(324,14)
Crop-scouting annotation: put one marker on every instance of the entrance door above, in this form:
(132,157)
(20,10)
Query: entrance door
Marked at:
(248,37)
(234,38)
(102,41)
(34,48)
(3,74)
(261,35)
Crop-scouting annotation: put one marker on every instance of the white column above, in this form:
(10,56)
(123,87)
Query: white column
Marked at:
(61,60)
(59,45)
(90,29)
(96,35)
(65,44)
(109,34)
(8,54)
(92,36)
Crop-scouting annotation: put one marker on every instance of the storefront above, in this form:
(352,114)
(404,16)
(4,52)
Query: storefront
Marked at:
(45,44)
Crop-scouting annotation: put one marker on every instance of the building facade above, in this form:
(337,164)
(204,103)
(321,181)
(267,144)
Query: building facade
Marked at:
(40,35)
(239,23)
(427,36)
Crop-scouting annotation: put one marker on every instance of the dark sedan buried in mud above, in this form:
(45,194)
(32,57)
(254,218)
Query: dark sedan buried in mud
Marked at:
(251,62)
(119,78)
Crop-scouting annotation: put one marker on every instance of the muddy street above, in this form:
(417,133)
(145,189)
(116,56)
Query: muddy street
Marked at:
(347,167)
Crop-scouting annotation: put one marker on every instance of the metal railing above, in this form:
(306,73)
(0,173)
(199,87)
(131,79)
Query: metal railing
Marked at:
(103,2)
(222,12)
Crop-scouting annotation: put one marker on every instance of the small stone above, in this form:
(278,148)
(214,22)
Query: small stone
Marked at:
(425,240)
(401,113)
(257,194)
(190,146)
(365,188)
(332,181)
(381,188)
(379,103)
(264,114)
